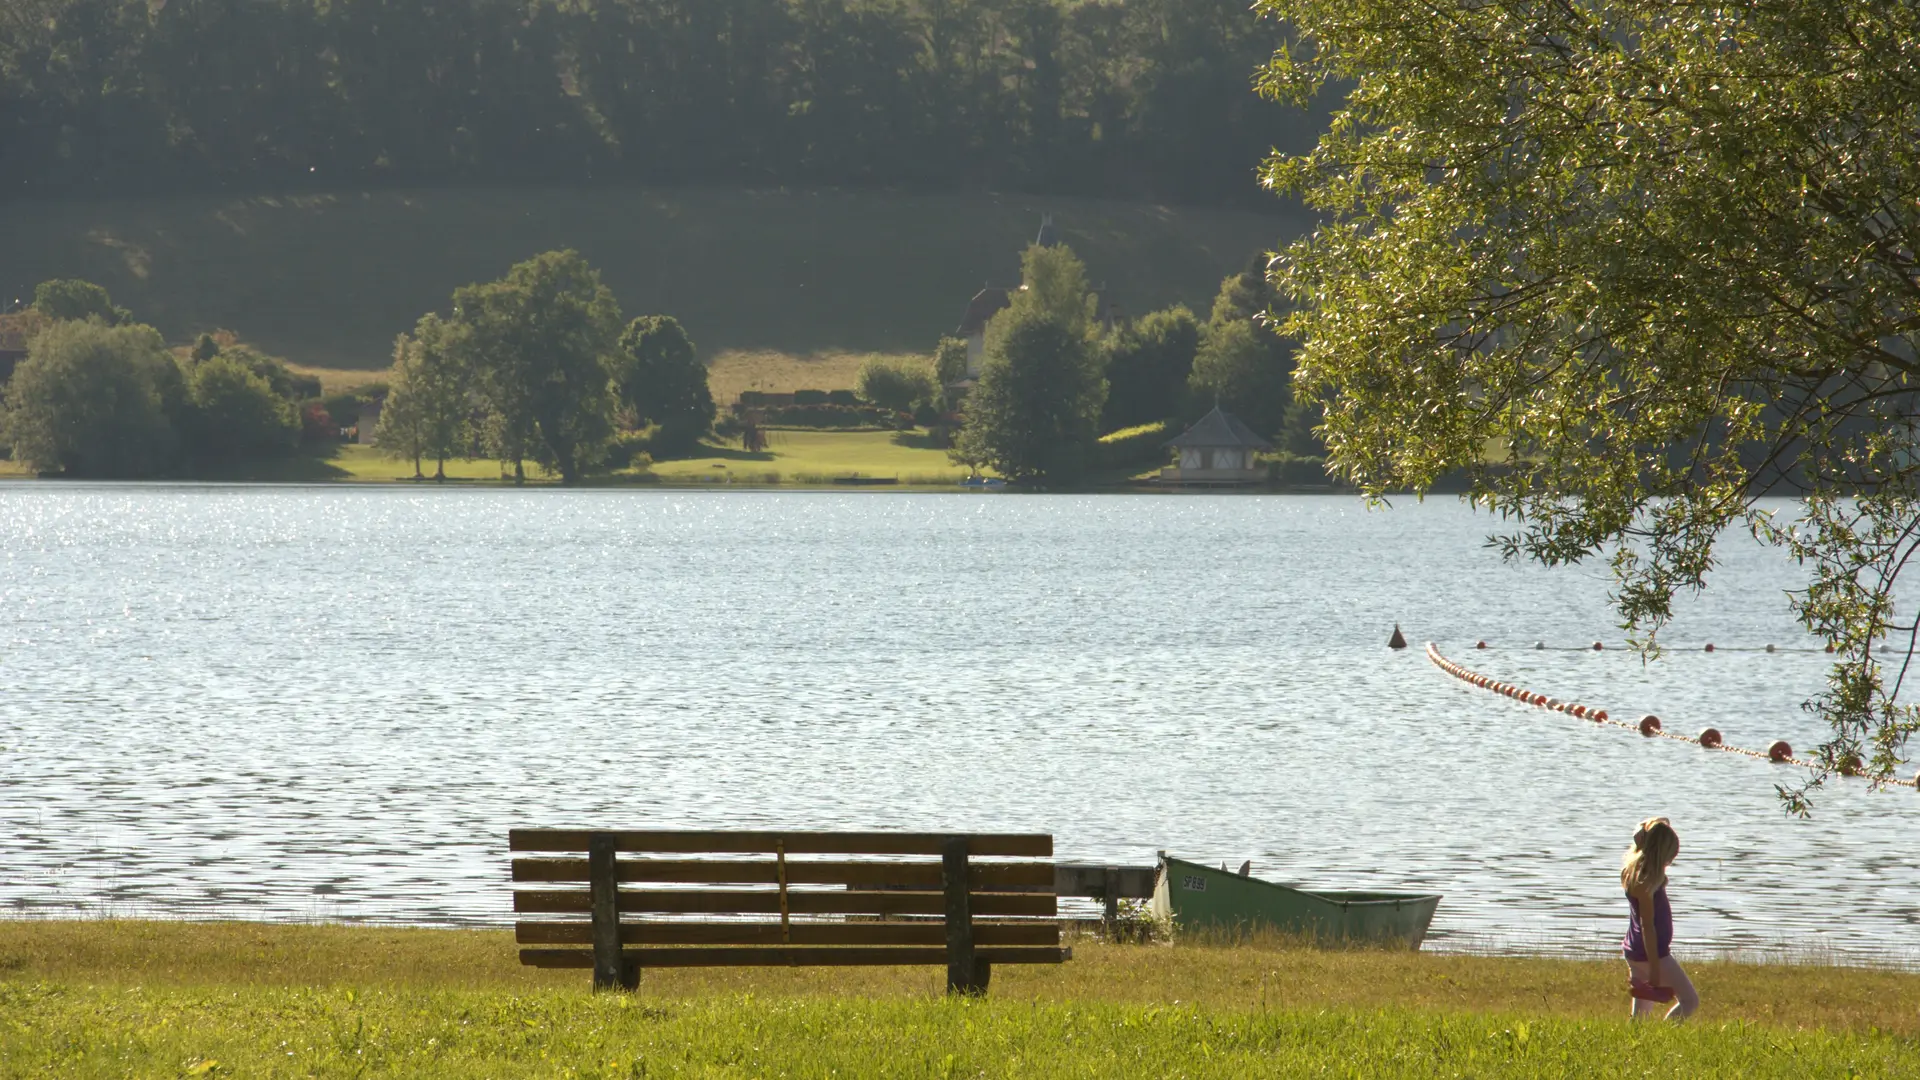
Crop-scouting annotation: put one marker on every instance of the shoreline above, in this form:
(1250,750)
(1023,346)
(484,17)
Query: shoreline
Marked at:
(1467,945)
(661,484)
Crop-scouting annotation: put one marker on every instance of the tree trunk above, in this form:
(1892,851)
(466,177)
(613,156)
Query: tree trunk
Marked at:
(440,470)
(519,472)
(417,474)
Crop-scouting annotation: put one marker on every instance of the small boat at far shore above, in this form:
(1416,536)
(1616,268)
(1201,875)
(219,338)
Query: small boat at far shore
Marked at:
(1194,896)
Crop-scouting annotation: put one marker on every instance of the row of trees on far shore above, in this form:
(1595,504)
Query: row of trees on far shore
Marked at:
(539,368)
(536,367)
(100,395)
(1056,376)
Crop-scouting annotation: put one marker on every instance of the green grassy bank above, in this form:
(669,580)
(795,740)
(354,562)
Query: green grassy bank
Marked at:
(329,280)
(145,999)
(794,458)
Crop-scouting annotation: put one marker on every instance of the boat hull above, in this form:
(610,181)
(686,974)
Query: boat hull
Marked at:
(1196,897)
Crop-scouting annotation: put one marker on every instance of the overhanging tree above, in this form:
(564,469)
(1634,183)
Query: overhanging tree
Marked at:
(1663,256)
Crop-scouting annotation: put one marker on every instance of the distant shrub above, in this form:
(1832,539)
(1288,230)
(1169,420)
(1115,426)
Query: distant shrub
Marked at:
(893,384)
(810,397)
(843,397)
(235,413)
(828,416)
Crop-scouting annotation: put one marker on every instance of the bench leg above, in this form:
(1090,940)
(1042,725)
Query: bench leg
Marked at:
(965,974)
(973,984)
(610,969)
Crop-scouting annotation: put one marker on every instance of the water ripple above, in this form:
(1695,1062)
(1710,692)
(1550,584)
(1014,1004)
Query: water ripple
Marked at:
(331,703)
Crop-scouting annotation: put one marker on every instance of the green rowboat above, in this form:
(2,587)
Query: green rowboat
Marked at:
(1193,896)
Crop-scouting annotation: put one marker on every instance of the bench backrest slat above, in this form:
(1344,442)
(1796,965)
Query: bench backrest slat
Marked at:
(667,841)
(801,933)
(789,955)
(767,902)
(1015,875)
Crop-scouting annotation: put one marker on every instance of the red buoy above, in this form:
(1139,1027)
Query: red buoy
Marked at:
(1597,646)
(1781,750)
(1649,725)
(1709,646)
(1601,716)
(1710,738)
(1479,644)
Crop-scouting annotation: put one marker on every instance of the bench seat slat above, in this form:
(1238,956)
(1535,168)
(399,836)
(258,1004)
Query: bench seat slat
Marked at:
(769,933)
(793,955)
(767,902)
(1011,845)
(799,872)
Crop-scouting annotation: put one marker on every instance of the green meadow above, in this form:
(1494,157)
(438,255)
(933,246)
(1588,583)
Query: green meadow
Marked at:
(146,999)
(799,458)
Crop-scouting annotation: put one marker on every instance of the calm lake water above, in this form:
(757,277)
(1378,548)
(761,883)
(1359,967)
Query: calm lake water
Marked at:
(332,702)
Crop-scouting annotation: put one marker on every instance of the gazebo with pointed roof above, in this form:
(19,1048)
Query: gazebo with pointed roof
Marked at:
(1218,449)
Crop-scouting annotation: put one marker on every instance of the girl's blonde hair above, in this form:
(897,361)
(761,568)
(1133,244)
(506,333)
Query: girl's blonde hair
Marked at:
(1655,844)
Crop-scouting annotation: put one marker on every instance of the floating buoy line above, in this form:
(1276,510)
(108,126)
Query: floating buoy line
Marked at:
(1598,646)
(1780,752)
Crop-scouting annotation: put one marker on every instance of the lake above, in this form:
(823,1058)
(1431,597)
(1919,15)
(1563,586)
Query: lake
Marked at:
(332,702)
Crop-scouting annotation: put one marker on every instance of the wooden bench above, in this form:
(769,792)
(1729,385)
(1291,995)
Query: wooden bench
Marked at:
(716,899)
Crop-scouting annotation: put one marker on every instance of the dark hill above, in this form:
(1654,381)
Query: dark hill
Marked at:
(330,279)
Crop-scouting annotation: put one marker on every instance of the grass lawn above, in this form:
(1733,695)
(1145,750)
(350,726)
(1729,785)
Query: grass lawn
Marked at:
(328,279)
(794,458)
(815,457)
(346,462)
(107,998)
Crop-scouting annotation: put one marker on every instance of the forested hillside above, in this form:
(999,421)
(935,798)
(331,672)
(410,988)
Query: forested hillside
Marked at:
(1116,98)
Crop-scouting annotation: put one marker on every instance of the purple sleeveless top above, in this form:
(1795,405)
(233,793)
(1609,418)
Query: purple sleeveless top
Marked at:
(1634,947)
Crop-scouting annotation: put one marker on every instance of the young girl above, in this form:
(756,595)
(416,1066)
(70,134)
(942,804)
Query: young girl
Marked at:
(1654,975)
